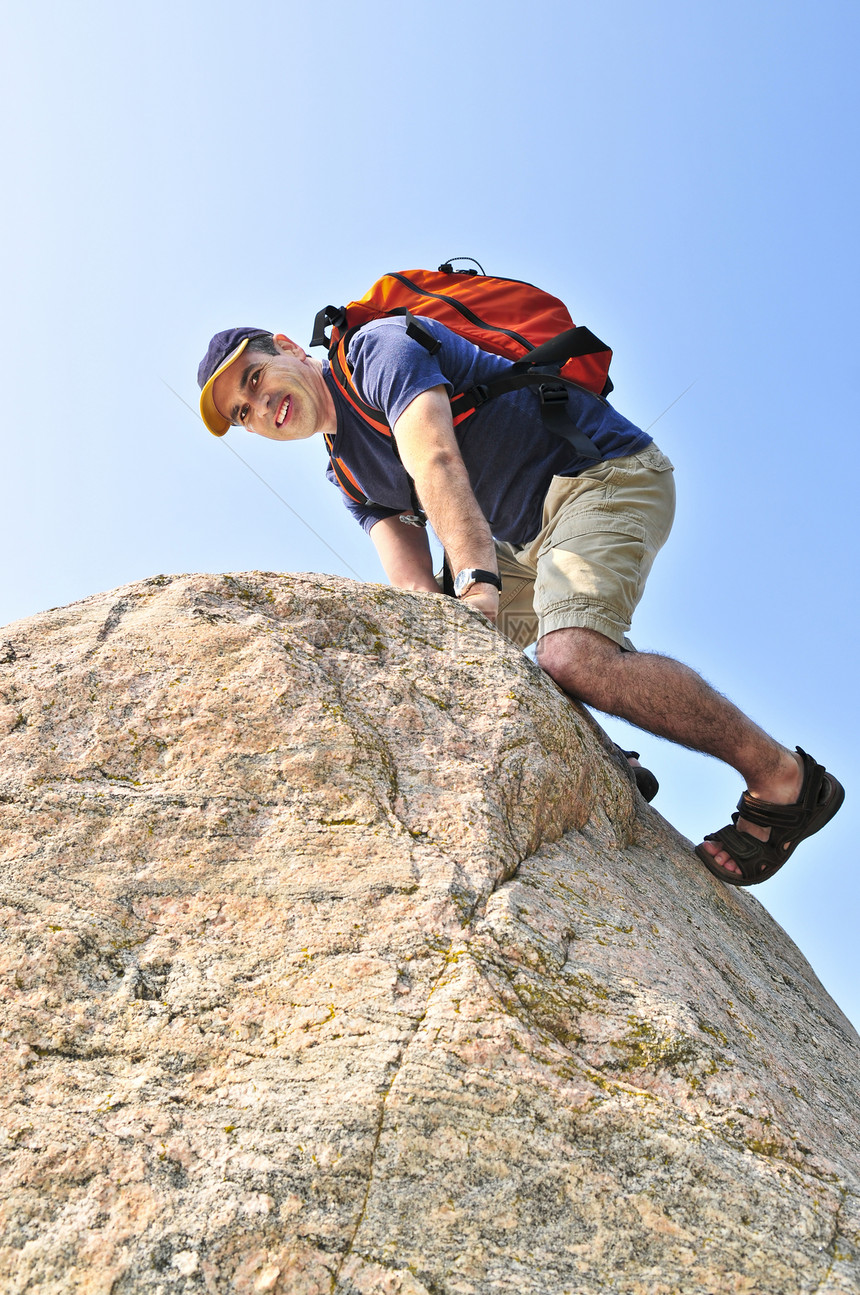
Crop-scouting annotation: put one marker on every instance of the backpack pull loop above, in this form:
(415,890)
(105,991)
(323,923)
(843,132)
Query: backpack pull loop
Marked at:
(448,267)
(335,315)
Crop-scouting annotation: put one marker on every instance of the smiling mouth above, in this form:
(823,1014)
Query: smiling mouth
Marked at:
(283,411)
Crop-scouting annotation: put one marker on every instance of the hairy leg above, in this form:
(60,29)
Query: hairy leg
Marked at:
(669,699)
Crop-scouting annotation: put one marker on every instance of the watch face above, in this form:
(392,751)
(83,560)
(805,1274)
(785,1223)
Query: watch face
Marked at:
(464,579)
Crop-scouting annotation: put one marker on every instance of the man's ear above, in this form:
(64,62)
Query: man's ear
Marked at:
(288,347)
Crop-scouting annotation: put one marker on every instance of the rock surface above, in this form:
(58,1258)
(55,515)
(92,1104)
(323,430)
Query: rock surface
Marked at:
(340,955)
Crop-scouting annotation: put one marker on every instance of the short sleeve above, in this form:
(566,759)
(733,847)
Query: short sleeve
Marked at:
(390,368)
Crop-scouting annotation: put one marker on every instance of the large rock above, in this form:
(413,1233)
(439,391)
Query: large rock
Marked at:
(340,955)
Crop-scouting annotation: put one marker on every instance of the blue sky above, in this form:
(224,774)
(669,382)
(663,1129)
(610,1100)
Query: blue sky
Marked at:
(684,176)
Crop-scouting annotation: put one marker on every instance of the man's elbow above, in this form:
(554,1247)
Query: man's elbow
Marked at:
(438,462)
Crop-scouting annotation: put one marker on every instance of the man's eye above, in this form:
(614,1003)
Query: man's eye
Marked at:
(255,377)
(243,413)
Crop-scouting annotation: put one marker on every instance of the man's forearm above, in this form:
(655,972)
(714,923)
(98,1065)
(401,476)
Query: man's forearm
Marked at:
(405,554)
(429,451)
(428,448)
(447,498)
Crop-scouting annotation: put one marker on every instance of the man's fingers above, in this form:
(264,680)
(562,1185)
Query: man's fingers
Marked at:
(485,600)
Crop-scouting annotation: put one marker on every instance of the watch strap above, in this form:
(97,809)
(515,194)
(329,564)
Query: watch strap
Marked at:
(476,576)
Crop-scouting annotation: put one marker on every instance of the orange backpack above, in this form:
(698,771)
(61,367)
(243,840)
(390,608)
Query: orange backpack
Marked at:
(504,316)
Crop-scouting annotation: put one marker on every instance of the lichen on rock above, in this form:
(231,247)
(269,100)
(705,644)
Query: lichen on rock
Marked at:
(341,955)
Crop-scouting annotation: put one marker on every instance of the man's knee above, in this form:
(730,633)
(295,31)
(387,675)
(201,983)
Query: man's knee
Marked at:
(574,657)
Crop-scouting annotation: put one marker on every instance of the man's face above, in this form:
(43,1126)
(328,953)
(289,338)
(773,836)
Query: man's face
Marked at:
(282,397)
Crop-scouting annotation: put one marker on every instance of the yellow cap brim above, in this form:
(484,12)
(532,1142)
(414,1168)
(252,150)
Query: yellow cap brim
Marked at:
(215,421)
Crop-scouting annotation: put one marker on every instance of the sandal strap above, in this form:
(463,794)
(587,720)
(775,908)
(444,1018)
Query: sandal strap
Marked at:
(767,814)
(756,859)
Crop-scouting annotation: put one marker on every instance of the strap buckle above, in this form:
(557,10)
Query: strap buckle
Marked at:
(552,393)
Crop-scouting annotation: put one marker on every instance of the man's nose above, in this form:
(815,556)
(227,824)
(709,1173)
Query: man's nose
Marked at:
(259,402)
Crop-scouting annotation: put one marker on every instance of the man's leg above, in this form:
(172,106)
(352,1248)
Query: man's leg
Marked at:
(670,700)
(518,621)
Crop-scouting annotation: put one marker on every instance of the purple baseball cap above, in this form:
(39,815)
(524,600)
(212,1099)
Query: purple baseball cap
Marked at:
(224,348)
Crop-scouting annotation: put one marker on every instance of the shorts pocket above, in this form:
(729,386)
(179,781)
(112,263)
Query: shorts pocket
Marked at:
(595,561)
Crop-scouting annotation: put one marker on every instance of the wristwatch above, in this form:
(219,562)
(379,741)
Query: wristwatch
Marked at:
(474,576)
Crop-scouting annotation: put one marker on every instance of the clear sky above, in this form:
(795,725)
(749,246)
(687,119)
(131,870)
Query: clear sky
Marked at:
(684,175)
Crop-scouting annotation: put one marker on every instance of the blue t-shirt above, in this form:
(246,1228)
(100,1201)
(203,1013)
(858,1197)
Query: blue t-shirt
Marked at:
(509,454)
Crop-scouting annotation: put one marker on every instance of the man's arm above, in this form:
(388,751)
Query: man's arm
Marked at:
(405,554)
(430,454)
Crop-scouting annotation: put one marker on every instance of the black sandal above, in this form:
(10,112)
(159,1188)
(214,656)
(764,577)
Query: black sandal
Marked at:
(820,797)
(645,780)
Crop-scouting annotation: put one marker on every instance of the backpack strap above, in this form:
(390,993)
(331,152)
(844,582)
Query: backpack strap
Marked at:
(335,315)
(552,390)
(344,477)
(540,368)
(342,375)
(569,345)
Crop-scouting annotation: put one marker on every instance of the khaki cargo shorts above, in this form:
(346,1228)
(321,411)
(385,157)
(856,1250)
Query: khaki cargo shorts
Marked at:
(587,567)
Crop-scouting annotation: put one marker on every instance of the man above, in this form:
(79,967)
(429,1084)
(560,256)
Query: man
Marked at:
(572,540)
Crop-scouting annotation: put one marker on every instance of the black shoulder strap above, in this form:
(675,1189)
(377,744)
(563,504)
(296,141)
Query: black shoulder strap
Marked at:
(552,391)
(569,345)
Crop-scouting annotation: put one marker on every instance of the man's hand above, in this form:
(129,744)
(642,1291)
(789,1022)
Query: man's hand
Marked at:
(483,598)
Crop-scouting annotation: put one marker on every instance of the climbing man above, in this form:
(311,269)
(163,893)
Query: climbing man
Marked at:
(552,538)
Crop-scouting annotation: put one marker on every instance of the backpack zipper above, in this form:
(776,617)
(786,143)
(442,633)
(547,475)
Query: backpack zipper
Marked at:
(464,311)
